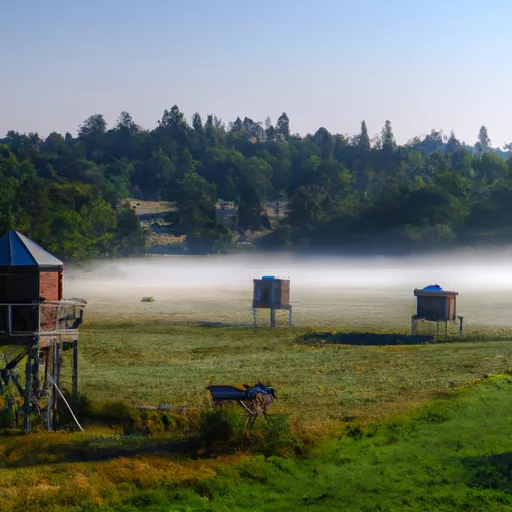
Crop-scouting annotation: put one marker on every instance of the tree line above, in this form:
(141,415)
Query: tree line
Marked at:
(69,192)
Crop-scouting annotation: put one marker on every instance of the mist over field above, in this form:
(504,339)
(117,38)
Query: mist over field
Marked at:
(325,291)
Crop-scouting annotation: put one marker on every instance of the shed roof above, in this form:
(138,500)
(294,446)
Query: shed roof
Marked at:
(18,250)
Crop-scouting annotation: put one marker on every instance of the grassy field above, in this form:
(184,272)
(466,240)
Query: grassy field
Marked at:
(452,455)
(319,385)
(396,427)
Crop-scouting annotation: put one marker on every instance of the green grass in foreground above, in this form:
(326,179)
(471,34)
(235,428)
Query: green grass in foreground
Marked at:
(453,454)
(448,456)
(319,385)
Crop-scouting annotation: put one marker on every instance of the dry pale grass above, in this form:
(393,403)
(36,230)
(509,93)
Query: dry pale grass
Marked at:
(43,485)
(150,207)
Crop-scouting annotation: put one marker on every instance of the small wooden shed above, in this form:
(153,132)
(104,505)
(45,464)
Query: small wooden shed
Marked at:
(271,293)
(435,304)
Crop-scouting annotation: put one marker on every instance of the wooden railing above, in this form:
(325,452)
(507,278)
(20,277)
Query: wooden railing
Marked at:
(41,319)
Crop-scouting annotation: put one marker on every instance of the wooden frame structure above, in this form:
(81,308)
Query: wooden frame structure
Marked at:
(42,349)
(433,304)
(272,294)
(38,324)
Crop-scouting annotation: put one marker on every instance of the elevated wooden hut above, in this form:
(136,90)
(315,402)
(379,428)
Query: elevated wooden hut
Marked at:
(433,304)
(271,293)
(36,320)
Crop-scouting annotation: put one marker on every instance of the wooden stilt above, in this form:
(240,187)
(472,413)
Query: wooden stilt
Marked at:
(45,379)
(58,364)
(26,405)
(35,370)
(272,317)
(51,394)
(74,383)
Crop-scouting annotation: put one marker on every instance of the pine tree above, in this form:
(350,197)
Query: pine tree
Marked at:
(387,137)
(364,139)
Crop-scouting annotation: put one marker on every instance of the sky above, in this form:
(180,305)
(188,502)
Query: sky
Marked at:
(423,65)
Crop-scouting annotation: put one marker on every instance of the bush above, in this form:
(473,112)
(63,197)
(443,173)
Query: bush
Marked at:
(219,430)
(273,437)
(222,430)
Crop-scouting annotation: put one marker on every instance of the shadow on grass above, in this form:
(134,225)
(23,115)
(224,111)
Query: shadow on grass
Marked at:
(365,338)
(490,472)
(221,324)
(21,453)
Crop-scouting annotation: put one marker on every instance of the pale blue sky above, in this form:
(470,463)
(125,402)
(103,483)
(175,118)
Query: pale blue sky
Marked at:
(430,64)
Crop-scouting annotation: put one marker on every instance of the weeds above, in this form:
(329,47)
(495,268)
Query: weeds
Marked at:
(221,430)
(452,455)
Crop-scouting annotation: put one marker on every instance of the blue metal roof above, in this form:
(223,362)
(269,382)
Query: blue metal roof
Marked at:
(16,250)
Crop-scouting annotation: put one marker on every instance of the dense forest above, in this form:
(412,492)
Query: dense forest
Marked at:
(69,193)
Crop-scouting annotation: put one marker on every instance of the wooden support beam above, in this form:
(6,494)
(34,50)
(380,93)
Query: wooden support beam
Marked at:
(272,317)
(58,364)
(5,374)
(26,405)
(35,370)
(74,383)
(46,361)
(51,395)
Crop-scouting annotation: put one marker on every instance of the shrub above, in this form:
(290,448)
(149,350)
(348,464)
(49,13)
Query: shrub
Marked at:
(147,299)
(222,430)
(273,437)
(219,430)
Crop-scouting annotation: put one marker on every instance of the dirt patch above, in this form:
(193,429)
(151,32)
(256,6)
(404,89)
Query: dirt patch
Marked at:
(153,217)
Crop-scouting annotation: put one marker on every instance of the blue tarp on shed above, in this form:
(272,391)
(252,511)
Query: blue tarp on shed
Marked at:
(16,250)
(433,288)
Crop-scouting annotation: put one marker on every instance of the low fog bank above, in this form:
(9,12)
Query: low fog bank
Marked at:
(330,290)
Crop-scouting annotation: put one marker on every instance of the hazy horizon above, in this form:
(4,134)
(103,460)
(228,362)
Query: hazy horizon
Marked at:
(423,67)
(325,291)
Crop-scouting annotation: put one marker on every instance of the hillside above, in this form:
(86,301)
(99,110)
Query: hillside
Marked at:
(154,218)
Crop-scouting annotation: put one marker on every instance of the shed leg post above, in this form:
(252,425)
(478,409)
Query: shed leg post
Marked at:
(272,318)
(461,318)
(45,380)
(35,371)
(74,383)
(446,329)
(26,404)
(290,316)
(254,317)
(58,364)
(437,330)
(51,394)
